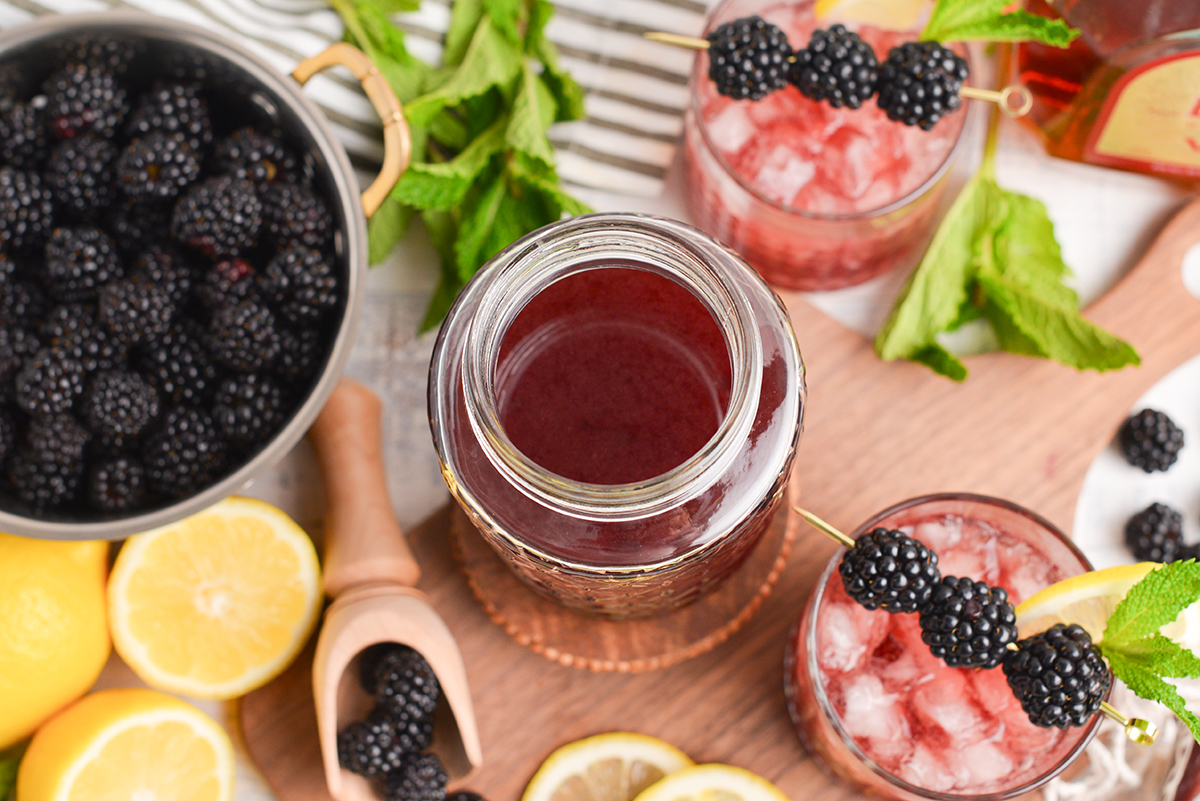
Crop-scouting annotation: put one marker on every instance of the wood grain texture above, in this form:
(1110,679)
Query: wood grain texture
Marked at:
(875,434)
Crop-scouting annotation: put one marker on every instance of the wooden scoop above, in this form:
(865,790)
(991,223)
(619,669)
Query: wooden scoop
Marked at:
(370,572)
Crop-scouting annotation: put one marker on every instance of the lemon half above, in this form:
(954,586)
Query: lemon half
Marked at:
(606,767)
(713,783)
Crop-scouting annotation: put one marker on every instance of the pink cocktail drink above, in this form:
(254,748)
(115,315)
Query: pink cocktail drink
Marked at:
(881,711)
(812,196)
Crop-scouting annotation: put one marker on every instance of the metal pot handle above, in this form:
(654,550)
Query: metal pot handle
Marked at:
(397,142)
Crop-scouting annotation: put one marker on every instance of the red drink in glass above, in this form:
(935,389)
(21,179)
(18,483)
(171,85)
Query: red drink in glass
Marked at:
(813,197)
(882,712)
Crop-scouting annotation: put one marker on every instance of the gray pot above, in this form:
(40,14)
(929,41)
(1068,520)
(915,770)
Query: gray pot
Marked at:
(243,89)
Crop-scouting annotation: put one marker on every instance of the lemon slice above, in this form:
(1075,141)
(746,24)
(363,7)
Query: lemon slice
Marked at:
(128,744)
(713,783)
(1087,599)
(218,604)
(606,767)
(895,15)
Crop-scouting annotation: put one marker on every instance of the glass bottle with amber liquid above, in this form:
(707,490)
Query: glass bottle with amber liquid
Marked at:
(1126,94)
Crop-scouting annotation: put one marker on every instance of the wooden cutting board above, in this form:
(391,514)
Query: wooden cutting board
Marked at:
(875,434)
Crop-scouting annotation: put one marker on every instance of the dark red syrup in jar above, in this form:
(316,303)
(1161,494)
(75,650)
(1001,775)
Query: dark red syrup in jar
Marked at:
(612,376)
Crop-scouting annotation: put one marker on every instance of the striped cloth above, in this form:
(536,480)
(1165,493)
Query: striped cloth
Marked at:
(635,90)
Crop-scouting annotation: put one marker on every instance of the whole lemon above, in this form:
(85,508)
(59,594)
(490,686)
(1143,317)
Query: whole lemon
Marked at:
(53,628)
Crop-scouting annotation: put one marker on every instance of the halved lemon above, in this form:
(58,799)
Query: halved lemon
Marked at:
(713,782)
(1088,599)
(129,744)
(895,15)
(218,604)
(607,767)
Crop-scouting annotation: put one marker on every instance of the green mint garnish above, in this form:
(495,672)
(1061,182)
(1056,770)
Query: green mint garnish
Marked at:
(985,20)
(1138,653)
(483,172)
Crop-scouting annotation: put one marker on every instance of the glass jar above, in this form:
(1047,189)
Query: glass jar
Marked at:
(880,711)
(616,401)
(813,197)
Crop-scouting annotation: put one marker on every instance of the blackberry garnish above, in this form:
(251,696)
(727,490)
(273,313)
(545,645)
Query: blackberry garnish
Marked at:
(119,406)
(73,329)
(243,336)
(157,167)
(49,383)
(226,282)
(175,109)
(137,226)
(23,136)
(887,570)
(966,623)
(919,83)
(295,215)
(248,409)
(1155,534)
(166,267)
(180,367)
(302,284)
(837,67)
(79,174)
(405,685)
(117,485)
(219,217)
(748,58)
(47,468)
(26,209)
(83,99)
(420,777)
(1058,676)
(252,156)
(79,261)
(1150,440)
(184,454)
(136,310)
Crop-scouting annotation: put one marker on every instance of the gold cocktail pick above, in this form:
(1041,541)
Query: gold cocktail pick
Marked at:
(1015,100)
(1139,731)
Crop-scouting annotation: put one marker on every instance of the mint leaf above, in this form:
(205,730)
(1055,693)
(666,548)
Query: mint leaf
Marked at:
(1147,684)
(1025,250)
(568,96)
(1153,602)
(384,229)
(507,16)
(464,19)
(490,61)
(476,226)
(985,20)
(443,186)
(532,113)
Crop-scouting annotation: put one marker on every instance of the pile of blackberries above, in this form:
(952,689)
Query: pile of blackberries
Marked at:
(391,746)
(168,289)
(918,83)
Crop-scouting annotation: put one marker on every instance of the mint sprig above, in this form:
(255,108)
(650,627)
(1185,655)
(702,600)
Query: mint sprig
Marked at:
(1135,648)
(483,172)
(985,20)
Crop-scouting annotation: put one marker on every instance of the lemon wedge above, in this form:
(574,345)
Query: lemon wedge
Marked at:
(607,767)
(895,15)
(1088,599)
(713,782)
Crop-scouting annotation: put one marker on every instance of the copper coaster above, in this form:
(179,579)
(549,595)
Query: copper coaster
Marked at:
(627,646)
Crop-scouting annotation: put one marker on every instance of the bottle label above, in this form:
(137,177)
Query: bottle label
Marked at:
(1150,120)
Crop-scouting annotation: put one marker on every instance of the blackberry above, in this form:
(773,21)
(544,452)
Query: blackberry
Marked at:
(165,266)
(184,454)
(179,366)
(376,747)
(22,136)
(295,215)
(1058,676)
(47,467)
(966,623)
(157,167)
(137,226)
(116,485)
(919,83)
(837,67)
(420,777)
(73,329)
(119,406)
(1155,534)
(887,570)
(114,55)
(249,155)
(219,217)
(1150,440)
(300,353)
(248,409)
(21,303)
(405,686)
(748,58)
(49,383)
(16,345)
(8,433)
(464,795)
(176,109)
(26,209)
(135,310)
(302,284)
(369,661)
(79,261)
(227,282)
(409,736)
(243,336)
(79,174)
(83,99)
